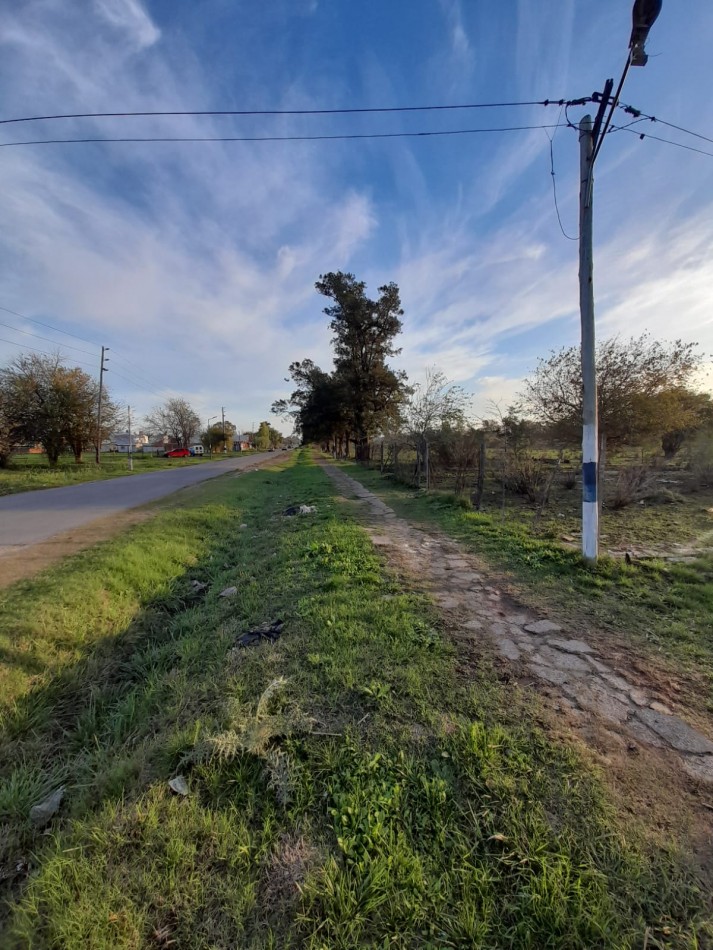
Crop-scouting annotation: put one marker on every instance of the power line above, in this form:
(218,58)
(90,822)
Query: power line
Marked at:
(278,138)
(34,349)
(115,355)
(652,118)
(48,325)
(279,112)
(67,346)
(144,380)
(140,384)
(142,387)
(658,138)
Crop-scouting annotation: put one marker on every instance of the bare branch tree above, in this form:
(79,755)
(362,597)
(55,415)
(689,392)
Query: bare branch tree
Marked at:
(177,419)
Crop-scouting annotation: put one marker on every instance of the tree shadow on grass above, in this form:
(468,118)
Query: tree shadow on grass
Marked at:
(120,718)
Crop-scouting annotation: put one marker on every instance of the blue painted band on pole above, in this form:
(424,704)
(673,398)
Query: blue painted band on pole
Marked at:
(589,481)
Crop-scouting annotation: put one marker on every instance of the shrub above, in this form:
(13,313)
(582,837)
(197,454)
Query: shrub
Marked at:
(524,475)
(569,479)
(701,463)
(633,484)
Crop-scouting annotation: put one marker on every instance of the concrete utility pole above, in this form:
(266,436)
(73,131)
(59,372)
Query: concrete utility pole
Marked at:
(222,412)
(591,139)
(131,460)
(590,427)
(210,440)
(102,370)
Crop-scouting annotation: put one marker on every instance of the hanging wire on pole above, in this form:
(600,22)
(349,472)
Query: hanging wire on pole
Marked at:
(366,110)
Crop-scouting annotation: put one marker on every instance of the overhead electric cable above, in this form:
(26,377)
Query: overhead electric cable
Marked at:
(67,346)
(278,138)
(658,138)
(131,382)
(34,349)
(654,118)
(49,326)
(279,112)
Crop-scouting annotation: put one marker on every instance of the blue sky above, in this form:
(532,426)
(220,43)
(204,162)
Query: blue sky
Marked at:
(196,262)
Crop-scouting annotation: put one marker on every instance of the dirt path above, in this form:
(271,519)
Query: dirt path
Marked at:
(605,703)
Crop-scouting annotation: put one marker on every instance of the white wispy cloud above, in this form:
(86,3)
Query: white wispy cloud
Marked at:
(198,261)
(132,19)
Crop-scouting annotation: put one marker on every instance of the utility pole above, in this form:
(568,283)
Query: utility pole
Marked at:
(590,427)
(591,139)
(131,460)
(210,438)
(222,412)
(102,370)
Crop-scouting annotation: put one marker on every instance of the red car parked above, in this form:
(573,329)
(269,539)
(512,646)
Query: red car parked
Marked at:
(177,454)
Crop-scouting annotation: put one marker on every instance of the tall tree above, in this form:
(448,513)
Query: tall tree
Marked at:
(177,419)
(638,380)
(52,404)
(364,331)
(8,433)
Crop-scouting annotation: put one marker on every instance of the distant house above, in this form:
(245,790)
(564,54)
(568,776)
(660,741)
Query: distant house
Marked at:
(120,442)
(241,443)
(159,445)
(32,448)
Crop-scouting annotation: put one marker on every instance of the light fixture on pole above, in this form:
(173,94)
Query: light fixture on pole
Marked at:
(644,16)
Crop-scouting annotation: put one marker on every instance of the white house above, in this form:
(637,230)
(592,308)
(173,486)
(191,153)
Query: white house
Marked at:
(120,442)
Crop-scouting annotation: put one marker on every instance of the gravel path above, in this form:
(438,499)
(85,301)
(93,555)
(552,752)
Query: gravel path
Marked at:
(570,665)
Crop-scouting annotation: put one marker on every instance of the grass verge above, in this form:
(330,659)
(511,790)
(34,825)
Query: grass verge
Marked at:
(346,786)
(664,605)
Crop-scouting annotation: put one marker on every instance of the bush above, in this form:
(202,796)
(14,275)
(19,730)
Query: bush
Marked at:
(569,479)
(701,463)
(633,484)
(524,475)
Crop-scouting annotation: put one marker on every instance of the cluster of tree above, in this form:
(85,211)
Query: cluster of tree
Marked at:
(646,388)
(219,437)
(43,401)
(645,392)
(267,437)
(362,395)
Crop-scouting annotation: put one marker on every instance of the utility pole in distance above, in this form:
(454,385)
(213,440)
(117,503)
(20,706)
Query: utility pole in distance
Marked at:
(102,370)
(590,427)
(131,461)
(222,412)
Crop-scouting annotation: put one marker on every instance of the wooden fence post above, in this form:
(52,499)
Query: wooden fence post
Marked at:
(480,484)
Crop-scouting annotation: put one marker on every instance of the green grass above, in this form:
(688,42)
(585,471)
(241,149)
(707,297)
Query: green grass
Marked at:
(665,606)
(348,787)
(31,472)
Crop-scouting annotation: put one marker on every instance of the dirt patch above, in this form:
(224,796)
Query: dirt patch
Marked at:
(20,562)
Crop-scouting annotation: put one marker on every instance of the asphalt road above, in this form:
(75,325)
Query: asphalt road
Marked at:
(34,516)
